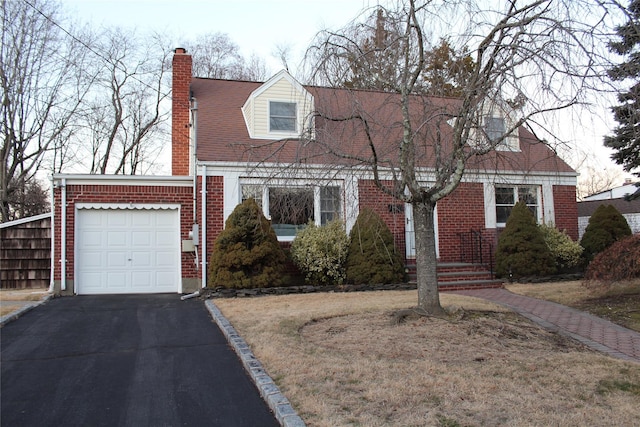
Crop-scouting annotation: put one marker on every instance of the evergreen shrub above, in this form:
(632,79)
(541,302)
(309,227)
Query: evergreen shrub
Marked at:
(566,252)
(606,225)
(372,257)
(521,249)
(619,262)
(247,254)
(320,252)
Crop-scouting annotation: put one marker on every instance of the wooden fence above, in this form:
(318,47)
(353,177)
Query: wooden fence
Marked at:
(25,253)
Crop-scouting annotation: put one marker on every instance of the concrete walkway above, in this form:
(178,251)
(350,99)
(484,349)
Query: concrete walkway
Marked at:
(593,331)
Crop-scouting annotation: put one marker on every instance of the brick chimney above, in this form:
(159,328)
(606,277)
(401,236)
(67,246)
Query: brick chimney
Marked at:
(180,104)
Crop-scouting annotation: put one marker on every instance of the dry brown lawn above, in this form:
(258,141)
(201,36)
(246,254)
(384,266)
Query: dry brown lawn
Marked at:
(9,295)
(342,360)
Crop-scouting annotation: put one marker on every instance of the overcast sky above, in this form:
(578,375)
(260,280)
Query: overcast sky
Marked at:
(256,26)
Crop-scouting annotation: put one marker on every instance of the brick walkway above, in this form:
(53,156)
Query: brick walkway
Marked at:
(593,331)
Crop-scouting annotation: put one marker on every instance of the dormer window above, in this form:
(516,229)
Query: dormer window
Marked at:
(282,116)
(494,127)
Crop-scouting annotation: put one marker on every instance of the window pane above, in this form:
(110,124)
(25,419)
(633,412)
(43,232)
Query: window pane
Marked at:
(329,204)
(282,116)
(286,109)
(529,195)
(252,192)
(282,123)
(502,213)
(495,127)
(504,196)
(290,209)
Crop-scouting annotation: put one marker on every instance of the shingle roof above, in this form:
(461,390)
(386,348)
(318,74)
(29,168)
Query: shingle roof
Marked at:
(587,208)
(222,134)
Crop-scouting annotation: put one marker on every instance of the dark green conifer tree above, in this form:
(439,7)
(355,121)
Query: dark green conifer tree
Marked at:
(247,254)
(626,136)
(522,250)
(606,226)
(373,257)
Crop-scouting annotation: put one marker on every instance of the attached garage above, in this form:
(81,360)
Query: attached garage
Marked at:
(125,249)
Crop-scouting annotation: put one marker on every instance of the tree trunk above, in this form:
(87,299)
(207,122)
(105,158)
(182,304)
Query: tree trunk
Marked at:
(427,276)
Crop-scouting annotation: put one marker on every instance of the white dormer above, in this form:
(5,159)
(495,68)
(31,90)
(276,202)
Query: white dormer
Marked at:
(496,121)
(280,108)
(490,125)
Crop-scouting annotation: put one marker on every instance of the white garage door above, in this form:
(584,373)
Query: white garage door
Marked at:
(121,251)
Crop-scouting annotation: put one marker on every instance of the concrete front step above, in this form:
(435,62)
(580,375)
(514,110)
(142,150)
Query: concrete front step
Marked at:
(465,285)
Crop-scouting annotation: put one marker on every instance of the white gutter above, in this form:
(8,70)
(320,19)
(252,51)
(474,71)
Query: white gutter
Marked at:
(203,228)
(63,235)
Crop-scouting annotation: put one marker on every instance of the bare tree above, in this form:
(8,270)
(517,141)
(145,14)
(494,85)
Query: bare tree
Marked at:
(125,116)
(42,90)
(216,56)
(531,58)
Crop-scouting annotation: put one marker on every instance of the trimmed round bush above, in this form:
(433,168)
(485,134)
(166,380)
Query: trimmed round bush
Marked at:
(373,257)
(606,225)
(619,262)
(247,254)
(320,252)
(566,252)
(521,249)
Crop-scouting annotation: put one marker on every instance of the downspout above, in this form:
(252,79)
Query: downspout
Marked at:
(194,145)
(194,171)
(52,273)
(203,229)
(63,235)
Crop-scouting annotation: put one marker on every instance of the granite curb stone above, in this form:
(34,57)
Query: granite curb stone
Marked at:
(22,310)
(278,403)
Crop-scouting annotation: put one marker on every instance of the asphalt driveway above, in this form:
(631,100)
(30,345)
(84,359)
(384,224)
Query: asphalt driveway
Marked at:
(140,360)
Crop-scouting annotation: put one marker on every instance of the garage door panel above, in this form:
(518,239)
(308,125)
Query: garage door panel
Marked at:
(127,251)
(116,280)
(141,238)
(92,238)
(116,260)
(142,260)
(163,259)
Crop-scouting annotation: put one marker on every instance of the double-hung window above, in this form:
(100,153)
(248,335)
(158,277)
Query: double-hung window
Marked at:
(507,197)
(291,208)
(282,116)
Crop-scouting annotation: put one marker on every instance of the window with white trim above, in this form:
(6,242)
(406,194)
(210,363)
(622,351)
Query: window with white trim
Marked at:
(494,128)
(507,197)
(282,116)
(291,208)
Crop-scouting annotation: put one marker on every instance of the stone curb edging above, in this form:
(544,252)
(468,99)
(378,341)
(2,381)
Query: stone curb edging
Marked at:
(278,403)
(22,310)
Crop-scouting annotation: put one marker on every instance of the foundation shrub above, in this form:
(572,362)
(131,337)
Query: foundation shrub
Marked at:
(566,253)
(247,254)
(619,262)
(522,250)
(606,226)
(320,252)
(372,257)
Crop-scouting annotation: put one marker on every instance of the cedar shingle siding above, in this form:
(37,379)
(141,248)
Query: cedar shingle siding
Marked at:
(25,254)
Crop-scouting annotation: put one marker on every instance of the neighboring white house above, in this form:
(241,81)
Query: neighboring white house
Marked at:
(630,209)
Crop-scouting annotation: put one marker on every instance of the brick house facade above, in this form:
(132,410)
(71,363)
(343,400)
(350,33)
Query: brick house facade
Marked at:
(233,139)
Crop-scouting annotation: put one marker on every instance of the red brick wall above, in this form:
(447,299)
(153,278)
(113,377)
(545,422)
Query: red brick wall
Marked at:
(566,209)
(461,211)
(119,194)
(180,104)
(390,210)
(215,210)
